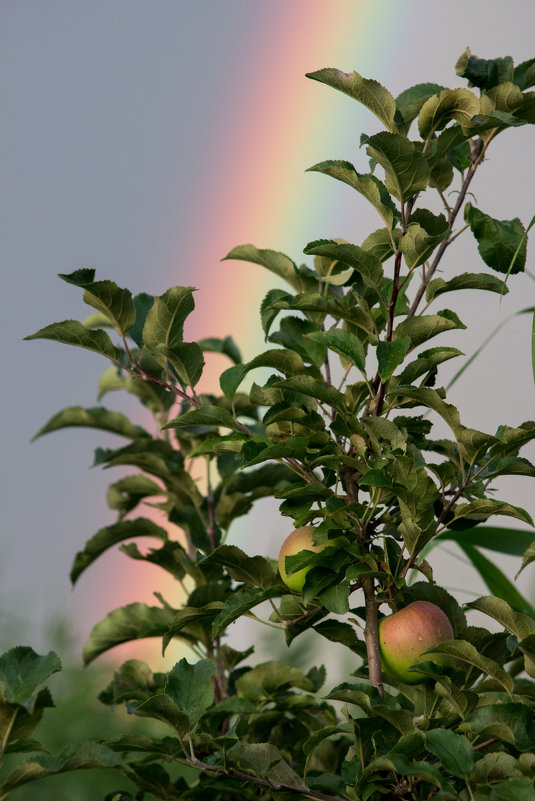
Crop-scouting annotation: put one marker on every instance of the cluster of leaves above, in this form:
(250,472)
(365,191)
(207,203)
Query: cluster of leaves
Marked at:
(341,433)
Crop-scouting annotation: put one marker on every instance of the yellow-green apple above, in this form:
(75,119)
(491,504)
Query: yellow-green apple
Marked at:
(299,540)
(404,635)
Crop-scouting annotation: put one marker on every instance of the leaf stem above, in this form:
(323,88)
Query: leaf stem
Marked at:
(7,734)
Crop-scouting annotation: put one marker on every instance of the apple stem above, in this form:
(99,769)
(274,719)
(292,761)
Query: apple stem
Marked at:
(371,635)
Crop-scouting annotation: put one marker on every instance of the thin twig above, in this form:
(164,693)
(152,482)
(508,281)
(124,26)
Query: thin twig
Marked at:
(478,152)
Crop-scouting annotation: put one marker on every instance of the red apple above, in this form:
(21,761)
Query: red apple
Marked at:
(299,540)
(404,636)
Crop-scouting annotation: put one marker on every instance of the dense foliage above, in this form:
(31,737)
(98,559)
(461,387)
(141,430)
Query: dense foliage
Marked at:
(341,432)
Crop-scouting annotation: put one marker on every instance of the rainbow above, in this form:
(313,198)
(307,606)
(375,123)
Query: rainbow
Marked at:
(253,187)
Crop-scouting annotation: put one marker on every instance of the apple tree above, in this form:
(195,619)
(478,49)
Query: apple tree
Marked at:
(342,434)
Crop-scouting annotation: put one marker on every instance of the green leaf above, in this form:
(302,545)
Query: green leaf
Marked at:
(21,673)
(410,101)
(239,603)
(426,362)
(364,262)
(155,397)
(195,620)
(111,535)
(80,756)
(265,761)
(496,581)
(170,557)
(164,325)
(430,398)
(528,557)
(338,631)
(390,355)
(275,262)
(381,430)
(466,652)
(398,763)
(524,74)
(282,359)
(498,240)
(318,737)
(483,508)
(72,332)
(253,570)
(205,416)
(492,766)
(344,343)
(437,111)
(484,281)
(441,174)
(424,232)
(421,328)
(379,243)
(451,144)
(506,97)
(513,789)
(190,687)
(484,73)
(293,336)
(340,309)
(367,185)
(230,380)
(312,387)
(367,91)
(187,360)
(517,623)
(336,599)
(96,417)
(365,697)
(270,677)
(512,541)
(125,494)
(143,303)
(163,708)
(80,277)
(131,622)
(511,722)
(406,169)
(226,346)
(453,750)
(113,302)
(511,439)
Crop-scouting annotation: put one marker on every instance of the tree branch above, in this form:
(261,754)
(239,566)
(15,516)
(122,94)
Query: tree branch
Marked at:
(371,635)
(478,152)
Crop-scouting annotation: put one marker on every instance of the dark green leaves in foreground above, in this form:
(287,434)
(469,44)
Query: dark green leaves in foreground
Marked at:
(80,756)
(366,90)
(72,332)
(191,688)
(405,166)
(22,696)
(501,243)
(22,671)
(163,334)
(113,302)
(132,622)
